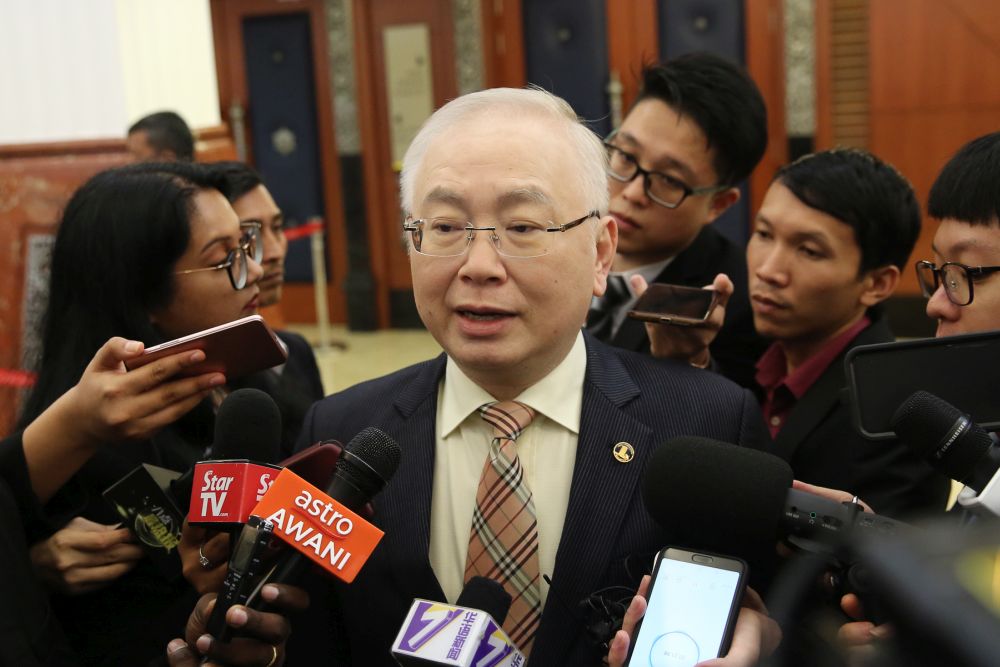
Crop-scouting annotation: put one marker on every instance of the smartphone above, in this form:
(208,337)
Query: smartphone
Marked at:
(235,349)
(693,601)
(961,370)
(674,304)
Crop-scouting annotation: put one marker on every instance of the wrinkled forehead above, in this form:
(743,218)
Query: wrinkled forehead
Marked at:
(500,163)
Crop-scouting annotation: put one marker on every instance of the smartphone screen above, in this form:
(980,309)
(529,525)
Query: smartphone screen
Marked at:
(693,600)
(667,303)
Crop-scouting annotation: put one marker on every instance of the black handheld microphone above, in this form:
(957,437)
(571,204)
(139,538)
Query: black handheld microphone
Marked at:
(366,464)
(247,426)
(486,595)
(947,439)
(743,503)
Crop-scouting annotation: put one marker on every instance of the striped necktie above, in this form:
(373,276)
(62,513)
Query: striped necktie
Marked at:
(504,541)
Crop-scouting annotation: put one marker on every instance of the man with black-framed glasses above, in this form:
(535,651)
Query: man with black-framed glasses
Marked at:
(698,129)
(963,292)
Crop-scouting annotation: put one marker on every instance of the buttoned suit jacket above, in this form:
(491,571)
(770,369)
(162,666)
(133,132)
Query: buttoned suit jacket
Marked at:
(608,538)
(822,445)
(737,347)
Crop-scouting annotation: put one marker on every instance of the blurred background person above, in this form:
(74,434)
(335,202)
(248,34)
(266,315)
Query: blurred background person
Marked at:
(160,137)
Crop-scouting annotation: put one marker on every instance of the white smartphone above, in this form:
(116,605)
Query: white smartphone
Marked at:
(693,602)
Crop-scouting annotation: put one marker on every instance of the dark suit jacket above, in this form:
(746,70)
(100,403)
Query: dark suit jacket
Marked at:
(823,447)
(608,535)
(737,347)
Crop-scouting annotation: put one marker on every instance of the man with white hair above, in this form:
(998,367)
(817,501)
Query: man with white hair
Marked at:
(524,416)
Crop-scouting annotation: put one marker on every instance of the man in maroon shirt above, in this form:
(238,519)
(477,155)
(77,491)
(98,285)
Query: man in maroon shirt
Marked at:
(832,236)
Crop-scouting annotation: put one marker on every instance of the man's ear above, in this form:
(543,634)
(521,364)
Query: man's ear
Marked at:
(606,240)
(722,201)
(880,283)
(166,155)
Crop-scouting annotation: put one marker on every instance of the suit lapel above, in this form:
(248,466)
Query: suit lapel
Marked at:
(824,396)
(600,494)
(407,498)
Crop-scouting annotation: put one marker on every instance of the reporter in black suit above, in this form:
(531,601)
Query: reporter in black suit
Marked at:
(829,243)
(698,129)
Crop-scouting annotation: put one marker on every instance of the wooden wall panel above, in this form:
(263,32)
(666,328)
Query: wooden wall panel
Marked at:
(842,74)
(633,41)
(935,85)
(765,60)
(503,44)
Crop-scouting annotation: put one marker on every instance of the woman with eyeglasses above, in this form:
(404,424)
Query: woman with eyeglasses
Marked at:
(148,252)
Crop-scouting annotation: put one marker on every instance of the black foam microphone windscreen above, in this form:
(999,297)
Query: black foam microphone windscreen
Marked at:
(712,496)
(946,438)
(486,595)
(247,426)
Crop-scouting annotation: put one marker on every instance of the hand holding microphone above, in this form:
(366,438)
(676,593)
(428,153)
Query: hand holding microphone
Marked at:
(248,428)
(262,634)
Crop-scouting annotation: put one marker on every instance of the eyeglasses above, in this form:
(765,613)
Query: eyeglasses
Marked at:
(447,237)
(665,190)
(252,231)
(957,279)
(236,264)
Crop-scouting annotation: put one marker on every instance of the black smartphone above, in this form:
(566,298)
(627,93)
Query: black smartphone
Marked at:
(674,304)
(959,369)
(693,601)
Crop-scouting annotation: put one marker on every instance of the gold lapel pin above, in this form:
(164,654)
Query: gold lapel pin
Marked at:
(623,452)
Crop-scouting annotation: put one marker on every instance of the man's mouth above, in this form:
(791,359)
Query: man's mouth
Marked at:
(624,221)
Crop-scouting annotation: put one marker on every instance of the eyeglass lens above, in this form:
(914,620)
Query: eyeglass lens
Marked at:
(446,238)
(665,191)
(954,277)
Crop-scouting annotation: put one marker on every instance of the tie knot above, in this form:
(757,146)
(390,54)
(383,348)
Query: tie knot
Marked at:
(617,293)
(508,418)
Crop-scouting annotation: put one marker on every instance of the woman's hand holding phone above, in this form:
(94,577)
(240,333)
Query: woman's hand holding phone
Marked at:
(110,404)
(688,343)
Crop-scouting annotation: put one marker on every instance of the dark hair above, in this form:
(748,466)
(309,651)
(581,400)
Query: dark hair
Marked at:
(722,99)
(112,263)
(165,130)
(235,178)
(863,192)
(967,188)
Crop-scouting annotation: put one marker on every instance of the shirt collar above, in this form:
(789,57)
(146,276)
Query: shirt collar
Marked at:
(771,367)
(558,396)
(647,271)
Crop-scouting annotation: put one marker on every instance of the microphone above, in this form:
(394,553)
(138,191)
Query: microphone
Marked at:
(248,427)
(153,501)
(366,464)
(368,461)
(462,635)
(951,443)
(743,503)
